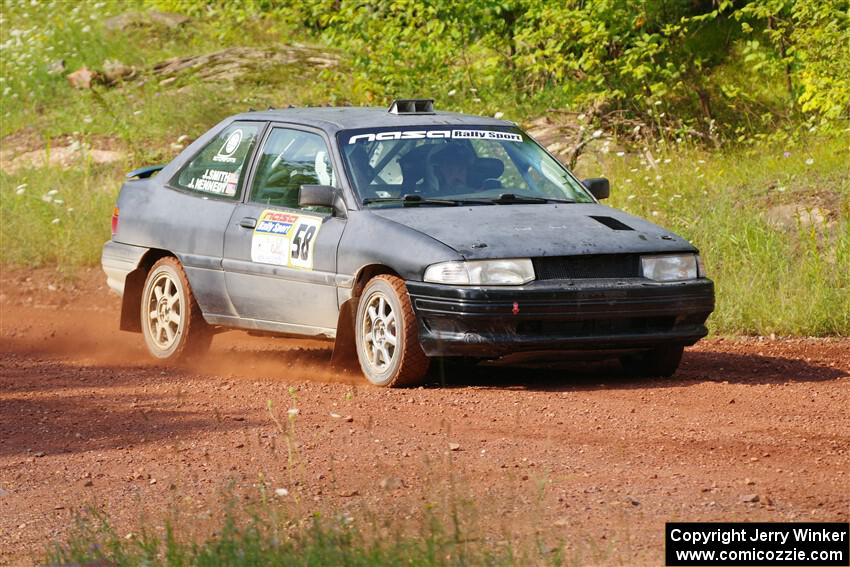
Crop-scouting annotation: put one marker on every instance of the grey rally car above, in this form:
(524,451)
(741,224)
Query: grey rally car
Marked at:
(403,235)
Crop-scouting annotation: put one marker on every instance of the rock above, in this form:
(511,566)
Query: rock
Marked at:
(798,215)
(391,483)
(4,493)
(39,454)
(88,482)
(281,492)
(56,67)
(750,498)
(632,501)
(114,71)
(348,493)
(82,78)
(454,446)
(234,62)
(141,19)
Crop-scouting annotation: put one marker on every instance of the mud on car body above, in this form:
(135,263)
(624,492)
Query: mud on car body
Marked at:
(403,236)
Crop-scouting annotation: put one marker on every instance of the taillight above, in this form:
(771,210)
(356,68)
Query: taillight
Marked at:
(115,212)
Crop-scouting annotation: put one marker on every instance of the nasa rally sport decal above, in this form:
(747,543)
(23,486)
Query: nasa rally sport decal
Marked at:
(497,135)
(285,239)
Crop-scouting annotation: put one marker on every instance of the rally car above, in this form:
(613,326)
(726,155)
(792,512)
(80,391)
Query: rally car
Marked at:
(403,235)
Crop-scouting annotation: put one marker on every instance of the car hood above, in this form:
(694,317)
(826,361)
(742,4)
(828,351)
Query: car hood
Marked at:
(527,231)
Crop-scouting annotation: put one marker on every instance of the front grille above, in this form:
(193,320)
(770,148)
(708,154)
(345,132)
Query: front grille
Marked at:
(585,267)
(591,327)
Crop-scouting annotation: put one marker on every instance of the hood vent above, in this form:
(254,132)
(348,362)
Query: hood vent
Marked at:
(611,223)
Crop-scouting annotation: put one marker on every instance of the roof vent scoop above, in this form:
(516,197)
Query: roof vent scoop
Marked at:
(412,106)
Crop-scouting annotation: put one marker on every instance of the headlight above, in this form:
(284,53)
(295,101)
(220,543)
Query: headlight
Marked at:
(670,267)
(482,272)
(700,267)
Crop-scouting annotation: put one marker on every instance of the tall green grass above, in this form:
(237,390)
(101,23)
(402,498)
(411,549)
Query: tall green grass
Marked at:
(268,539)
(788,278)
(56,216)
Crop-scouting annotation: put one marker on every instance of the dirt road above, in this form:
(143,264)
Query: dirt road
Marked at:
(749,429)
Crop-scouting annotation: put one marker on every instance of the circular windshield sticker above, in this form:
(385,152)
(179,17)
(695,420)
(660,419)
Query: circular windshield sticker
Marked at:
(231,144)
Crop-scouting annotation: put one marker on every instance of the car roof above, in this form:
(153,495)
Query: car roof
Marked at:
(333,119)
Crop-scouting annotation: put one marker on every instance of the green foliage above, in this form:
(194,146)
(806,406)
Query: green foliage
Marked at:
(700,58)
(821,38)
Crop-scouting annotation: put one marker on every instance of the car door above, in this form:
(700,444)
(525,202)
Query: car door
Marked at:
(279,259)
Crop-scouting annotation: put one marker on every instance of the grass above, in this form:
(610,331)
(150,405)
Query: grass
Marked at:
(56,216)
(268,538)
(780,275)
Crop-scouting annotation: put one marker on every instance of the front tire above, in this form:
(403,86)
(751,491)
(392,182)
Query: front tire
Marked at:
(172,323)
(658,362)
(386,334)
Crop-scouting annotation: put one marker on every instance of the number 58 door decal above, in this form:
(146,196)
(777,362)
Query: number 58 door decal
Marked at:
(285,239)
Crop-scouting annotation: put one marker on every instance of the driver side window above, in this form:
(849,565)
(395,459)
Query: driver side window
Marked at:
(288,160)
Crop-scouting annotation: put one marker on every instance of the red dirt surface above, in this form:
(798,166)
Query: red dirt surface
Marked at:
(574,453)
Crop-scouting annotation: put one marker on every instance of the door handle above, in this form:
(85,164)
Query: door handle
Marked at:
(248,222)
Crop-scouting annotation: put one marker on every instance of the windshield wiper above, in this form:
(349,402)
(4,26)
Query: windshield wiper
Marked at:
(411,199)
(503,199)
(508,198)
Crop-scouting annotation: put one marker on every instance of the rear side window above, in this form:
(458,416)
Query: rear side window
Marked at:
(219,168)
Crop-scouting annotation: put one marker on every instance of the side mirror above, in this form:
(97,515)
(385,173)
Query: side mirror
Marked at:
(321,196)
(598,187)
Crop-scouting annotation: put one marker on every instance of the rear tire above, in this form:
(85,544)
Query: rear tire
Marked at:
(172,323)
(387,335)
(658,362)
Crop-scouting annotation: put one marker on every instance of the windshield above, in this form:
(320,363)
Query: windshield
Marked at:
(442,165)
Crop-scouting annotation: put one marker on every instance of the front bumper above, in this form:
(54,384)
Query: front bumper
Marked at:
(560,315)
